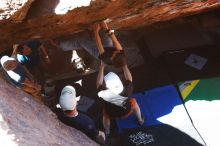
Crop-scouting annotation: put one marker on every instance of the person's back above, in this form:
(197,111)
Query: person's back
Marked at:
(81,122)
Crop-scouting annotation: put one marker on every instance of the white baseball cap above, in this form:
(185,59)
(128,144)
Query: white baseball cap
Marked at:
(68,99)
(113,83)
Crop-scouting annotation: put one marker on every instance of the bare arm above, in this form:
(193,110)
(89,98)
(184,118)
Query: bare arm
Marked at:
(127,73)
(100,77)
(116,42)
(44,52)
(14,52)
(96,28)
(112,36)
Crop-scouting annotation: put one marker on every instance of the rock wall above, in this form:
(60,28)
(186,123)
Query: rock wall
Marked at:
(124,14)
(25,122)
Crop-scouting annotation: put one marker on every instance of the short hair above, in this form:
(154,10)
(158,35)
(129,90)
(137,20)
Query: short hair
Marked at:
(67,111)
(20,49)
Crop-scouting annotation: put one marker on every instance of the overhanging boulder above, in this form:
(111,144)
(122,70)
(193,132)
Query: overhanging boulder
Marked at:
(124,14)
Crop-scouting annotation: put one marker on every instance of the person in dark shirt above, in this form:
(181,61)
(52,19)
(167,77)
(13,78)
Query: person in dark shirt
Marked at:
(113,55)
(29,55)
(73,118)
(116,97)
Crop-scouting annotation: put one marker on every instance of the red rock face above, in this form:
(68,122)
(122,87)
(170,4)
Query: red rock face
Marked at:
(25,122)
(124,14)
(9,8)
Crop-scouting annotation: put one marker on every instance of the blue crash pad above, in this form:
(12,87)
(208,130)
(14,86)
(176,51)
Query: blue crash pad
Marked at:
(153,104)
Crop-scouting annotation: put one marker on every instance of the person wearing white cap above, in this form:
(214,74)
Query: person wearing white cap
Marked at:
(18,76)
(116,96)
(71,116)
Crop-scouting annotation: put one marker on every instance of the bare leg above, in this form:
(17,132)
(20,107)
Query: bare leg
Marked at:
(106,123)
(137,113)
(96,28)
(112,36)
(127,73)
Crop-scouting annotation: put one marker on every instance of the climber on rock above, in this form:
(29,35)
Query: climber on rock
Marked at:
(101,44)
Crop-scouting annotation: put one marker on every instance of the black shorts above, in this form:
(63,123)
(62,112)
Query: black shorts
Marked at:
(111,56)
